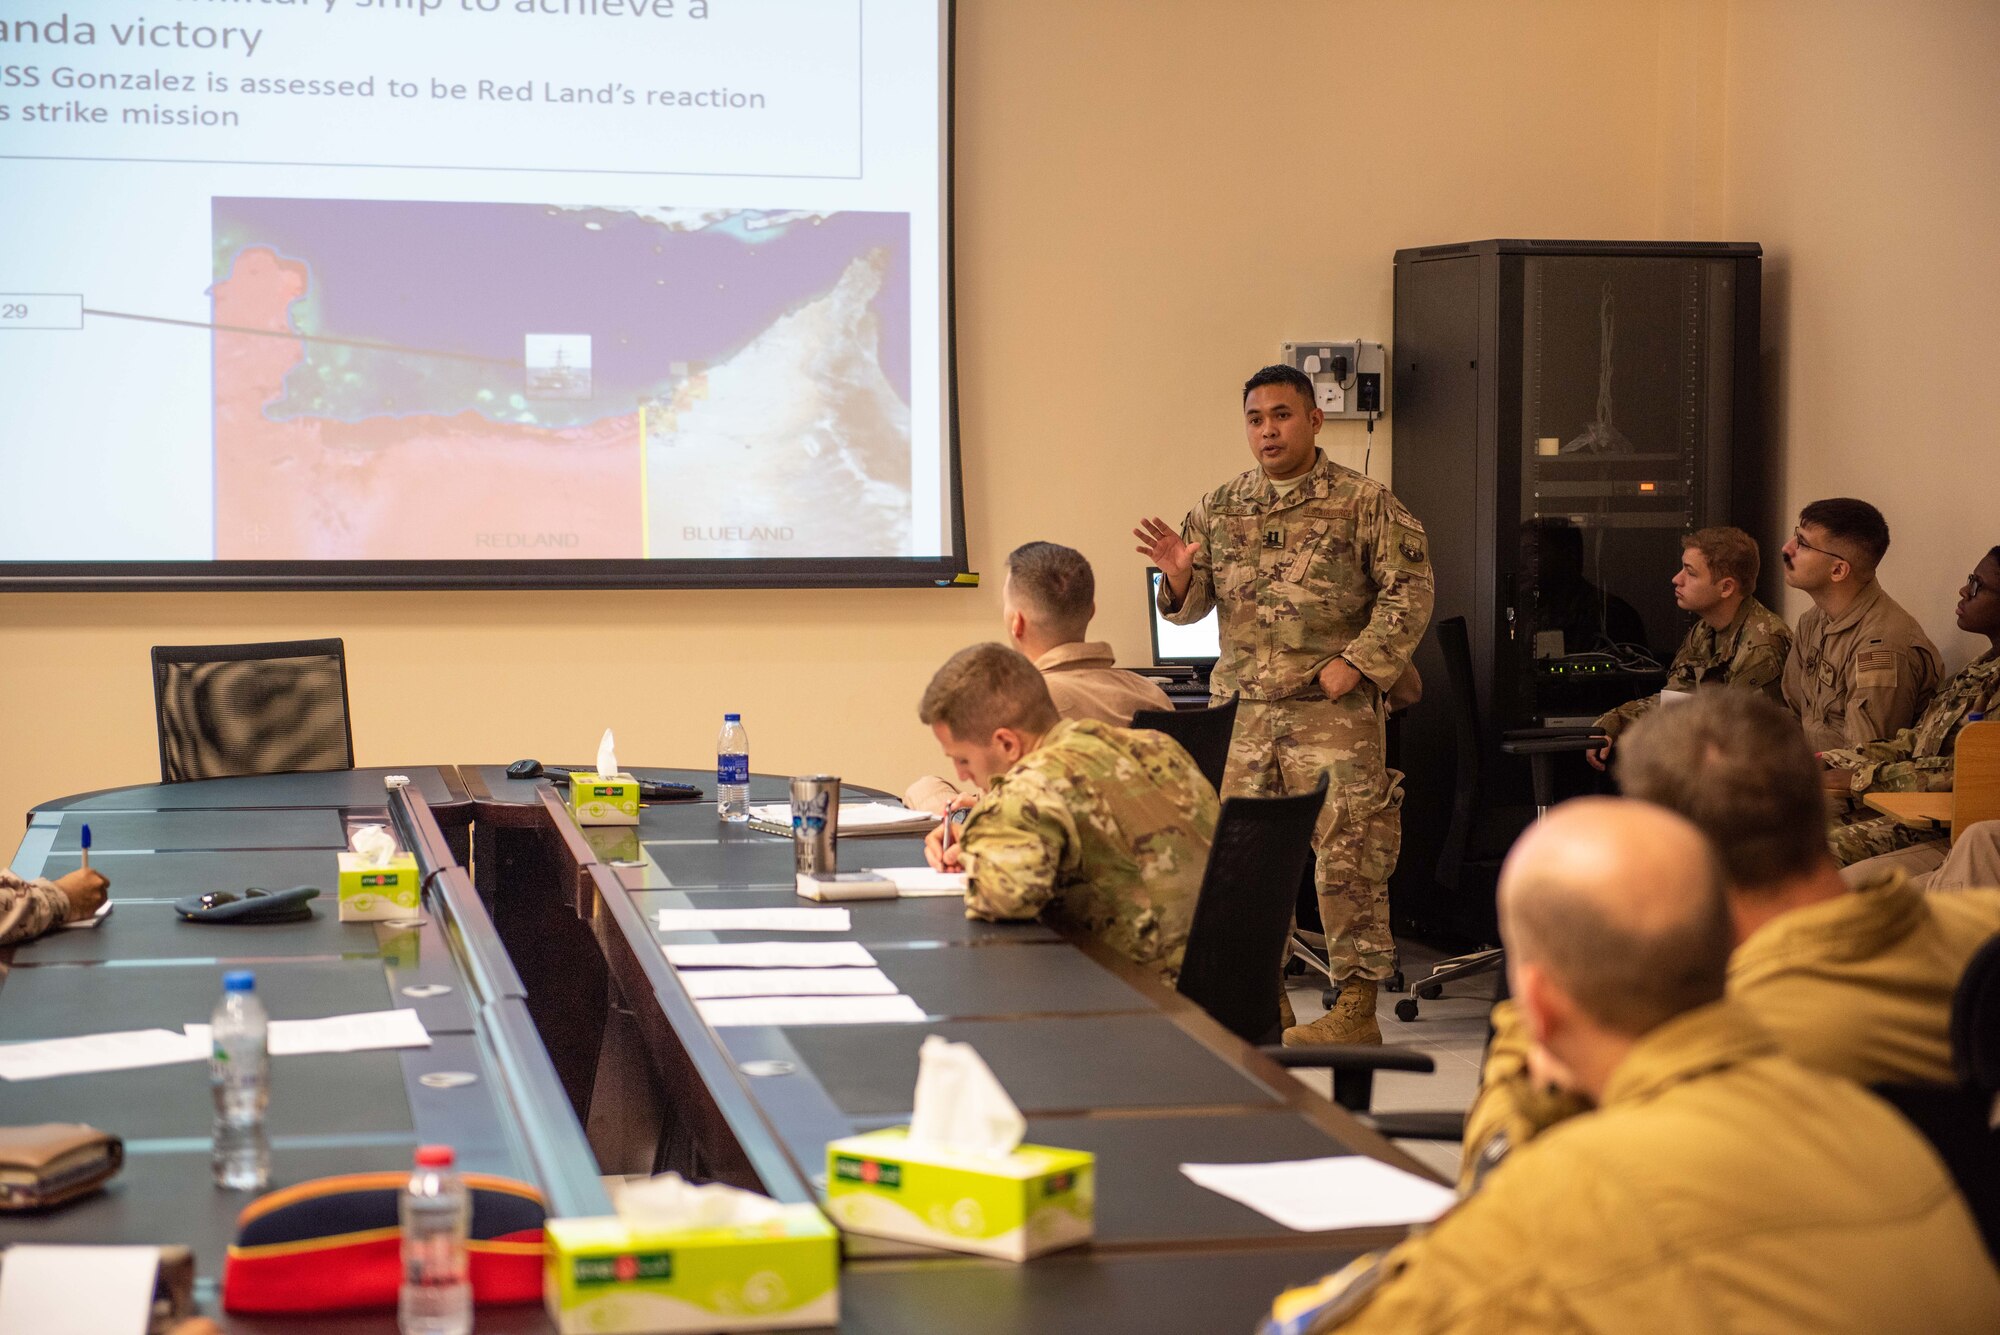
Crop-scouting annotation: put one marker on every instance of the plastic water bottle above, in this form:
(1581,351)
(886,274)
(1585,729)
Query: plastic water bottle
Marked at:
(239,1070)
(436,1297)
(732,770)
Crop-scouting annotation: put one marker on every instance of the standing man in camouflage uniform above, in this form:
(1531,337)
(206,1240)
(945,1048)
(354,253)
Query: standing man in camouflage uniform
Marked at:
(1861,667)
(1323,579)
(1103,829)
(1918,759)
(1735,641)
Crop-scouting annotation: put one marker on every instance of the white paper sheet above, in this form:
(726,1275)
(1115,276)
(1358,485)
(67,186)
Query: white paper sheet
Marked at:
(122,1051)
(754,920)
(770,955)
(810,1010)
(917,882)
(1312,1195)
(706,984)
(77,1290)
(367,1031)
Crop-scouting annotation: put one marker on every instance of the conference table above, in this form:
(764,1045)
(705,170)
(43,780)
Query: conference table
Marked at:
(566,1052)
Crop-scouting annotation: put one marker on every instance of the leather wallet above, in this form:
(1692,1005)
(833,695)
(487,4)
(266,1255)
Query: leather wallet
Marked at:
(54,1162)
(253,905)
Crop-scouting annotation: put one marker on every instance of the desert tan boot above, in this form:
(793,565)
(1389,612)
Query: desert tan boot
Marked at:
(1352,1019)
(1286,1017)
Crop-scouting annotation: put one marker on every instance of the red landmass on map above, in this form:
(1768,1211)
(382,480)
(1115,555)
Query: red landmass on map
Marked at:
(421,487)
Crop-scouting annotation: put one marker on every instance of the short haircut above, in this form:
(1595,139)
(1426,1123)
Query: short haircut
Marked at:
(1282,375)
(1737,766)
(1853,523)
(1057,582)
(1730,552)
(984,688)
(1630,979)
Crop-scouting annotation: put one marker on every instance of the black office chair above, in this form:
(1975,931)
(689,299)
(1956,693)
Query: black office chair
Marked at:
(1244,910)
(1479,835)
(1205,733)
(1957,1119)
(234,709)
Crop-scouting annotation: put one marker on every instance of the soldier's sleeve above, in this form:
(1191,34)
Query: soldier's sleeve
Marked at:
(1014,846)
(1510,1109)
(1200,598)
(1891,686)
(1614,721)
(1861,762)
(28,908)
(1759,664)
(1399,564)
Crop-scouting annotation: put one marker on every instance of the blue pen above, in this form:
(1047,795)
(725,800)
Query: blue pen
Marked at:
(85,837)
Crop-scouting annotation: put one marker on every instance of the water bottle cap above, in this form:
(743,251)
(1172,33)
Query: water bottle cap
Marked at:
(732,718)
(1975,716)
(434,1156)
(239,980)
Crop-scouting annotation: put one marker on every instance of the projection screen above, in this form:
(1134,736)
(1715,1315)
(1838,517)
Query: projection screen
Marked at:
(464,293)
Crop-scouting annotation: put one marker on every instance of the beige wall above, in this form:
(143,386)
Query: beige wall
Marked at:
(1863,150)
(1148,206)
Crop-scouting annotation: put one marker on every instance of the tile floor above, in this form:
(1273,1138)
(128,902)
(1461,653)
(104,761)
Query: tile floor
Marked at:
(1451,1029)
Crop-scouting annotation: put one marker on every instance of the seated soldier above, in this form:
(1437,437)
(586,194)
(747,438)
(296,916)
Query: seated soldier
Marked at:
(1860,667)
(1716,1185)
(29,908)
(1918,759)
(1735,640)
(1856,983)
(1047,603)
(1106,829)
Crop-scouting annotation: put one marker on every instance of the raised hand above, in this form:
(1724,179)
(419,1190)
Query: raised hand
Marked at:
(1162,545)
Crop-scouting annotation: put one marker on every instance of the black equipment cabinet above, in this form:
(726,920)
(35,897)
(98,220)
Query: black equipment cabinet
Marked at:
(1564,412)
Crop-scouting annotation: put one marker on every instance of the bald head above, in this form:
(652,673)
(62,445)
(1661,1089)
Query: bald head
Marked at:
(1620,904)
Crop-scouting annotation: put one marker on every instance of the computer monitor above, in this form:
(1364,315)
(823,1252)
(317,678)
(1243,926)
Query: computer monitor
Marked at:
(1196,646)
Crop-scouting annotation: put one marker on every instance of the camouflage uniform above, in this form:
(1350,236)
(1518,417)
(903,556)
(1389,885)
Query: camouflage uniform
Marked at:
(1859,677)
(41,904)
(1749,654)
(1107,829)
(1916,760)
(1334,567)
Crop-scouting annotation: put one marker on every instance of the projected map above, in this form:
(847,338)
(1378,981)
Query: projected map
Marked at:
(450,381)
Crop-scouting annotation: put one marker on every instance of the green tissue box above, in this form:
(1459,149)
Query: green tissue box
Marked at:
(368,894)
(1034,1200)
(604,799)
(604,1276)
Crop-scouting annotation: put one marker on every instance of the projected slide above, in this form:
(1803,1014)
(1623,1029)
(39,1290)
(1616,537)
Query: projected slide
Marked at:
(487,282)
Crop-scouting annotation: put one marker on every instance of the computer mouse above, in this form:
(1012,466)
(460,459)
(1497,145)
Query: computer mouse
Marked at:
(525,769)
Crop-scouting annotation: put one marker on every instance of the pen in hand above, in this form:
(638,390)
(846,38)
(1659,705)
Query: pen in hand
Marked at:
(83,838)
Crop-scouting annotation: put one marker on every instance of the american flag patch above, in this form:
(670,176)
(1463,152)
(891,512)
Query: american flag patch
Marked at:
(1875,660)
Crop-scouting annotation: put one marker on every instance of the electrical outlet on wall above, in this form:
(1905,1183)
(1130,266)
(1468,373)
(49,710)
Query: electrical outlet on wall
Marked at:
(1347,376)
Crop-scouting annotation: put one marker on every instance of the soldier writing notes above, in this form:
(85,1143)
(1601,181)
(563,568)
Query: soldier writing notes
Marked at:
(1099,828)
(1323,581)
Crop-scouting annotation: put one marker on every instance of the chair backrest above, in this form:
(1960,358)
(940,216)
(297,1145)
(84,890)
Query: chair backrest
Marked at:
(1975,784)
(1456,647)
(1205,733)
(1236,944)
(1956,1121)
(234,709)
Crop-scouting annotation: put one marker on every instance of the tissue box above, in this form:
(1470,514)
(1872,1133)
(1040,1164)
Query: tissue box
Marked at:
(604,799)
(604,1275)
(371,893)
(1035,1200)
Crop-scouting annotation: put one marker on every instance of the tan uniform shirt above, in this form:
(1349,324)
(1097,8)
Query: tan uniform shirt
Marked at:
(1084,682)
(1858,679)
(1720,1187)
(1858,986)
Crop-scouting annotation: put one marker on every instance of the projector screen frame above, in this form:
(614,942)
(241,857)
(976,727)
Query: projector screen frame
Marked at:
(948,570)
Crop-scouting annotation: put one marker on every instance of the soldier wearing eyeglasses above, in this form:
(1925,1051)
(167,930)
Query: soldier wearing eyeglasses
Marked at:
(1861,668)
